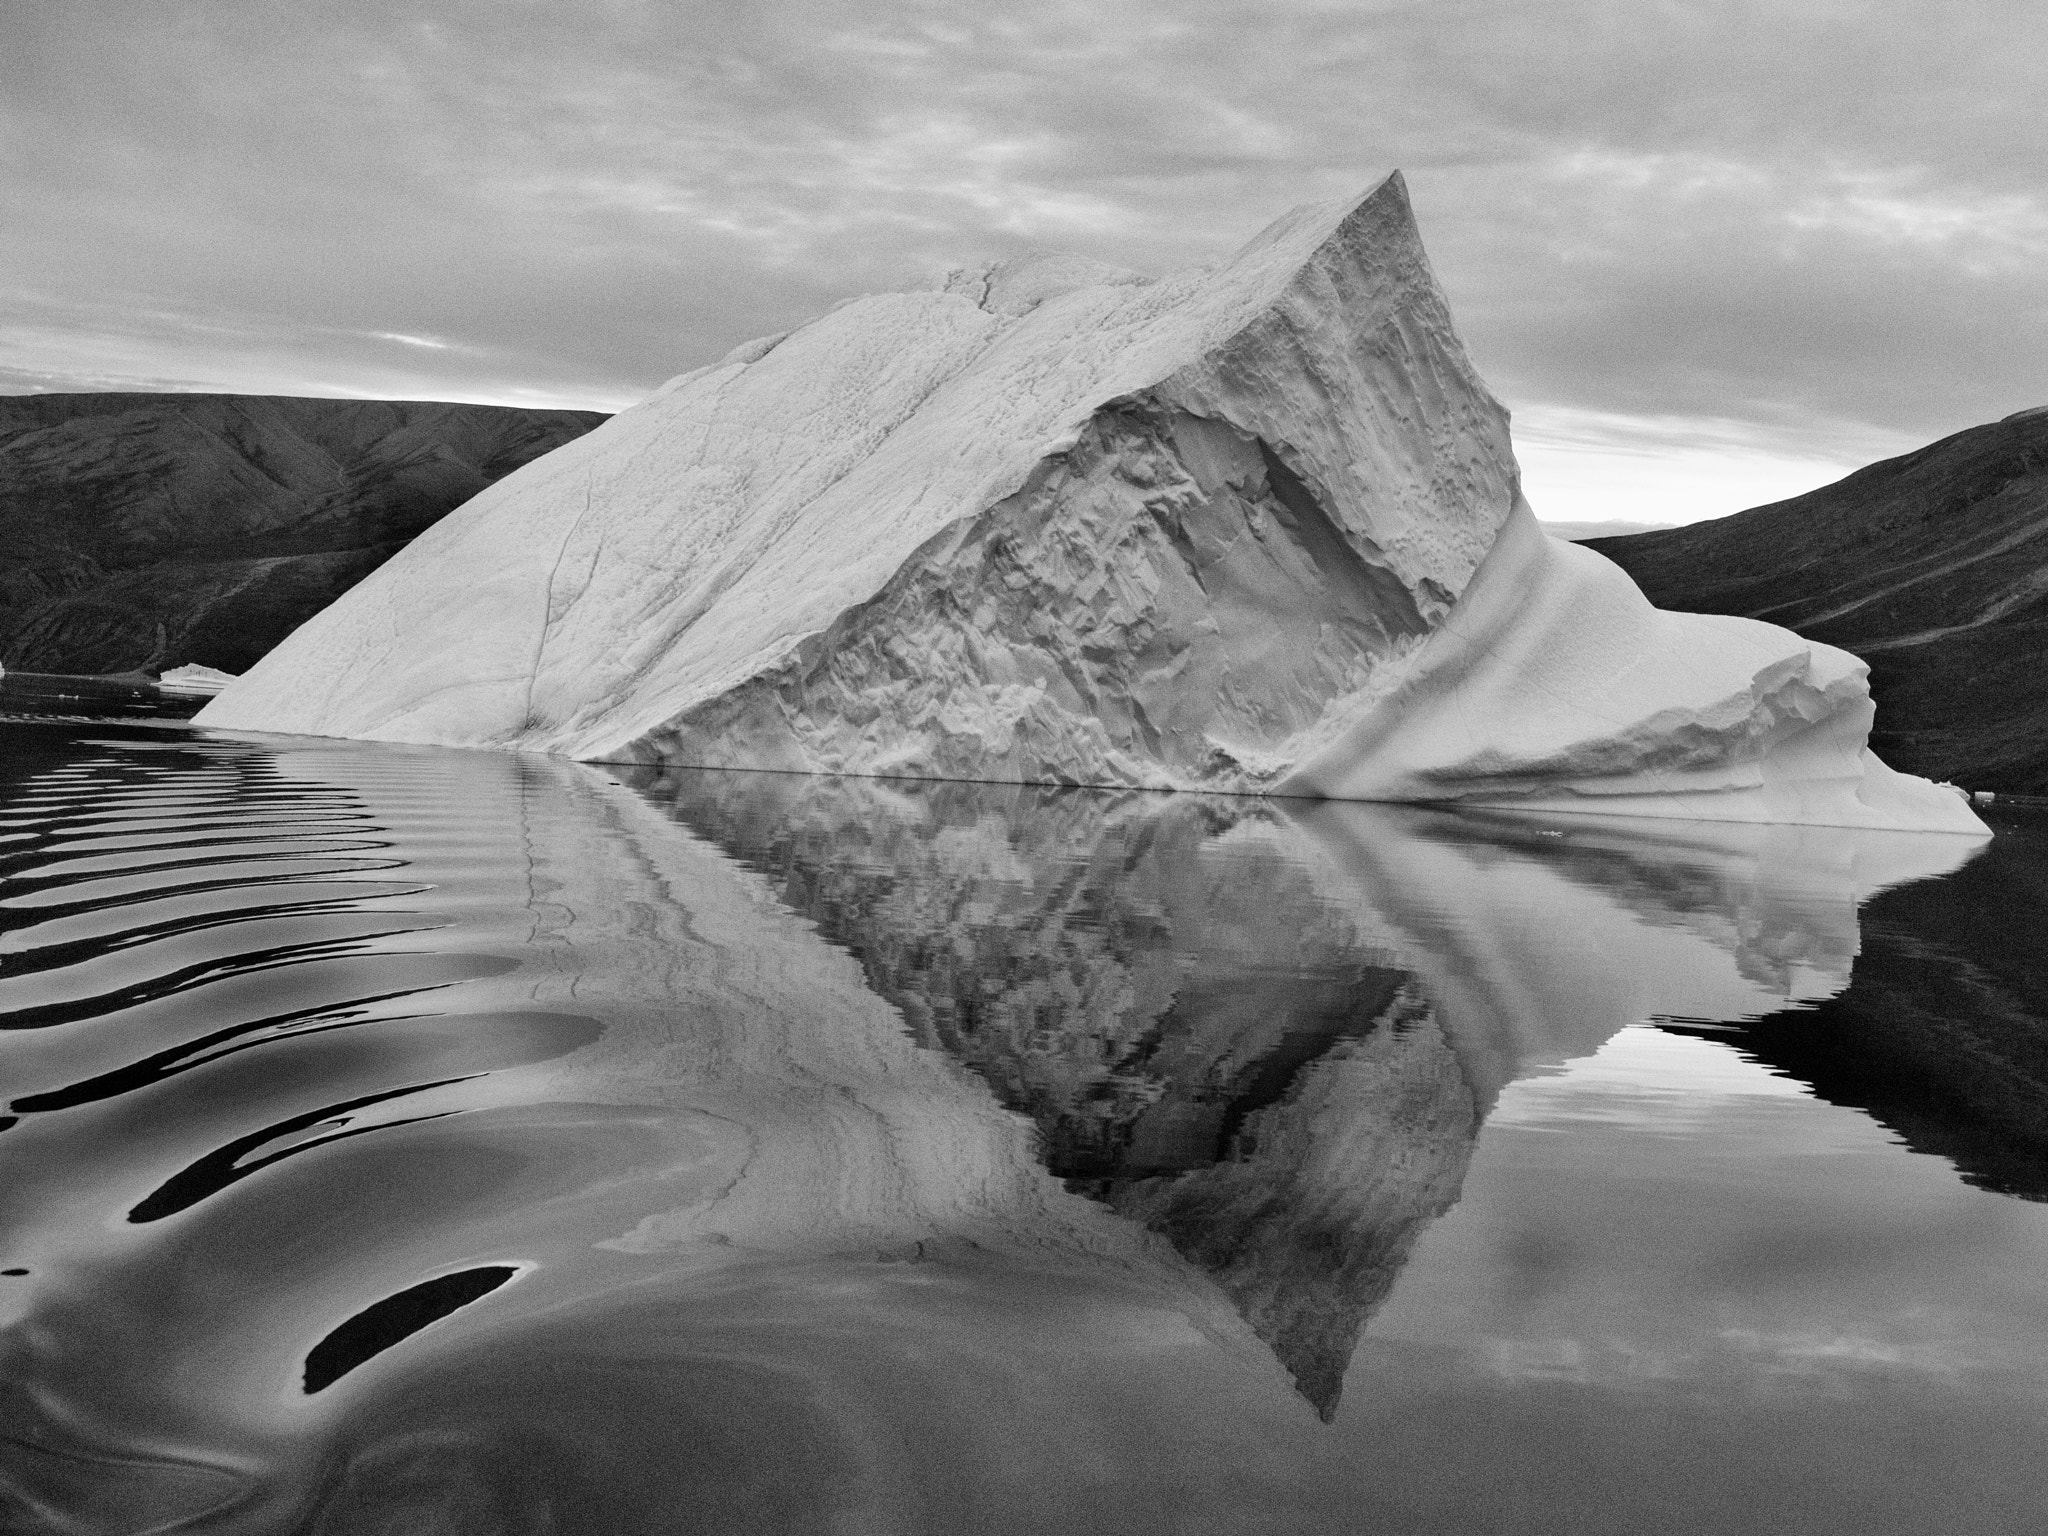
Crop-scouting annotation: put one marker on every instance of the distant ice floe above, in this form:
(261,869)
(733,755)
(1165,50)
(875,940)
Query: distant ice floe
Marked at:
(193,678)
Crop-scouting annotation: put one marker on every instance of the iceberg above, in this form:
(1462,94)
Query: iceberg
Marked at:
(194,678)
(1254,529)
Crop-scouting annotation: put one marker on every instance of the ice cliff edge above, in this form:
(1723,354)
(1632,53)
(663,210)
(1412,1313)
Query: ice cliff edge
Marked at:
(1254,528)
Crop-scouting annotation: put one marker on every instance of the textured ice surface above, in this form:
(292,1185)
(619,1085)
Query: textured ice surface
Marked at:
(1253,528)
(193,678)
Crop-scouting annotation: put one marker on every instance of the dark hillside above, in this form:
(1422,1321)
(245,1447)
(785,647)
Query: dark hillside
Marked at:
(1932,567)
(145,531)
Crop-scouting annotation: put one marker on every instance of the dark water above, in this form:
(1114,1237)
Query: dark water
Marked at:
(404,1140)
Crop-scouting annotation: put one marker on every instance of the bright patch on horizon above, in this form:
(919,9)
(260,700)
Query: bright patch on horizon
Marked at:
(1598,466)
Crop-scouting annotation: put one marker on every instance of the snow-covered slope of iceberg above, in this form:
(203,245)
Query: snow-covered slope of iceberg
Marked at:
(1055,521)
(1556,686)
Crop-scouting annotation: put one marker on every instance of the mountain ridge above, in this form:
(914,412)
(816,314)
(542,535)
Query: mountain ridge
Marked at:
(151,530)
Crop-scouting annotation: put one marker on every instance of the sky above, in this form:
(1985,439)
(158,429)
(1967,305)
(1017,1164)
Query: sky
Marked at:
(1710,253)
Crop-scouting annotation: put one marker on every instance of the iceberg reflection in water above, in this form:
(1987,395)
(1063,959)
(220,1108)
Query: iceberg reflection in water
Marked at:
(419,1139)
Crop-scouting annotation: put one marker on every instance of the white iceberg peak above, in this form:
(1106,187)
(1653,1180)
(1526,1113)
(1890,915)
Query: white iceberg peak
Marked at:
(1252,528)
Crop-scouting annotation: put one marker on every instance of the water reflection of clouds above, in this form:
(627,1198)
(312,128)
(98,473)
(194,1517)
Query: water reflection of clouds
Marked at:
(1727,1238)
(1811,1355)
(1644,1079)
(1738,1362)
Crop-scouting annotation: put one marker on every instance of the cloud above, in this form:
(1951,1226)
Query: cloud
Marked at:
(1823,220)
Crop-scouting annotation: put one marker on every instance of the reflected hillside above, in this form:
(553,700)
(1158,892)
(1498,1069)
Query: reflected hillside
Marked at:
(1271,1035)
(1943,1032)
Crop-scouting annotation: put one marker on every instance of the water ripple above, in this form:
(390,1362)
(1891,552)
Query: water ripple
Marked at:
(224,1165)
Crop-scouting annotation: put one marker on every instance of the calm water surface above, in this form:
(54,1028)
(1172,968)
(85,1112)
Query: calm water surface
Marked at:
(402,1140)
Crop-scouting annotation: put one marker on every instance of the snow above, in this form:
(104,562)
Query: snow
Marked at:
(1253,529)
(1557,686)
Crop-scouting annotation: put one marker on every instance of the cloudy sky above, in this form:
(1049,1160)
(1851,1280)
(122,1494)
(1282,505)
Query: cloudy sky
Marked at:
(1710,252)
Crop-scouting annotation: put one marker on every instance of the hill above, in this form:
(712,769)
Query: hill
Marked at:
(145,531)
